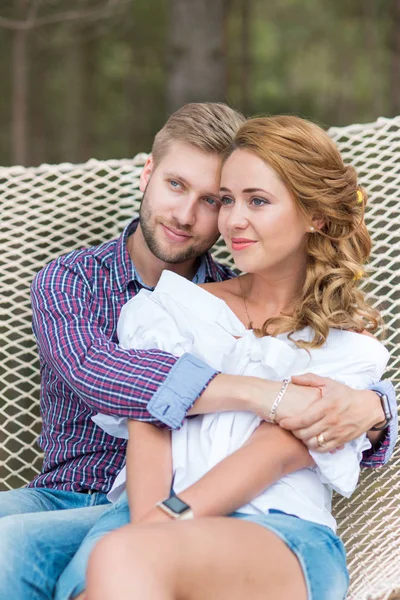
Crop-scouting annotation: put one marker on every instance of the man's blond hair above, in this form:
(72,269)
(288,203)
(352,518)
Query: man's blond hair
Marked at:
(208,126)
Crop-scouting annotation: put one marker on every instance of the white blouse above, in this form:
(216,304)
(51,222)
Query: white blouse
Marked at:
(178,317)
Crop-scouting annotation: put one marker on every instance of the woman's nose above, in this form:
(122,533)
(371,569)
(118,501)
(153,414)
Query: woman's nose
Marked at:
(237,218)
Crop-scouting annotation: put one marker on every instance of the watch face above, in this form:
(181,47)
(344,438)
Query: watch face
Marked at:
(176,505)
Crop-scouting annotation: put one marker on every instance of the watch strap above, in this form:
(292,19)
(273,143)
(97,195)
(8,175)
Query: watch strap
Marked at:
(386,411)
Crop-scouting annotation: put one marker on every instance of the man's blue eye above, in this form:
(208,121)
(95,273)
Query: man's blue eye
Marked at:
(211,201)
(174,183)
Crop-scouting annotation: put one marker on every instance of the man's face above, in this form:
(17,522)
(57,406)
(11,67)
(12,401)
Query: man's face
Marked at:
(179,212)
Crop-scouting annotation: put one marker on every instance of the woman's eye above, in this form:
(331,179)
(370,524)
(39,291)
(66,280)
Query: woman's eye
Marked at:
(259,201)
(225,200)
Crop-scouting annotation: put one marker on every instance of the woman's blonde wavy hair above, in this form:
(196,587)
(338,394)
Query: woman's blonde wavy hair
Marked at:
(323,187)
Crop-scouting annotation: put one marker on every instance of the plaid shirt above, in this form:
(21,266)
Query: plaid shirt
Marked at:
(76,303)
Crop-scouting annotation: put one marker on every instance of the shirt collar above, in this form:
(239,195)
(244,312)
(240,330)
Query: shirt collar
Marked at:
(123,268)
(211,271)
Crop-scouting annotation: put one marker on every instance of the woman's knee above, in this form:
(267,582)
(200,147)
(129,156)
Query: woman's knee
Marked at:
(106,550)
(109,562)
(132,544)
(142,552)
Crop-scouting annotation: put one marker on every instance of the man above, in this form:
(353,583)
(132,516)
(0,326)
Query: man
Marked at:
(49,527)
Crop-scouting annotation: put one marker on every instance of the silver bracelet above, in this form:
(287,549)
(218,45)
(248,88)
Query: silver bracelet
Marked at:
(272,414)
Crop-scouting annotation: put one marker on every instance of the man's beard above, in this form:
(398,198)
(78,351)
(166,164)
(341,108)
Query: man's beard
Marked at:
(148,227)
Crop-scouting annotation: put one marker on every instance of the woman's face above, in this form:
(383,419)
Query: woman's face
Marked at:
(259,220)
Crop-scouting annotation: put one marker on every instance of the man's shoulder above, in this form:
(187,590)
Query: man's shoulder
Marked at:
(101,253)
(82,259)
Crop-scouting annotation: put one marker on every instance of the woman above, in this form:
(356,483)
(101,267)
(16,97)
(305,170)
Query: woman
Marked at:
(292,216)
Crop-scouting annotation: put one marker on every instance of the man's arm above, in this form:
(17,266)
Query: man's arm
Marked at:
(254,394)
(148,385)
(71,337)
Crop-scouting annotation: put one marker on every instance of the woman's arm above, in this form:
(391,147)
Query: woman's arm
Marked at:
(148,467)
(268,455)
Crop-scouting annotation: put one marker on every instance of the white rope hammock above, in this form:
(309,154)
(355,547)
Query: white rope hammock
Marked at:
(49,210)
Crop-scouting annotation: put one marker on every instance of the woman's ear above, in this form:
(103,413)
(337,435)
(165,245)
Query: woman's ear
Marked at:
(146,173)
(318,222)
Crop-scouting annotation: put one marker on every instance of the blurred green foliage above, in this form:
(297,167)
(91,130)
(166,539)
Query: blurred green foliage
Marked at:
(97,88)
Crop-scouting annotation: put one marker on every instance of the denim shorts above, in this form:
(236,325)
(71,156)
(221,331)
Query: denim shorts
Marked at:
(320,552)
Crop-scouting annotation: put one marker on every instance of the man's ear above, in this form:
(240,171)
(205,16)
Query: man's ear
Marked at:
(146,173)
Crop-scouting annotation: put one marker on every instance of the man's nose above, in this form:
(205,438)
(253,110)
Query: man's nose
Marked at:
(185,212)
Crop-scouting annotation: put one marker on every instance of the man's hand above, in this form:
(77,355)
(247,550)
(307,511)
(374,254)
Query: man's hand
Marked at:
(341,413)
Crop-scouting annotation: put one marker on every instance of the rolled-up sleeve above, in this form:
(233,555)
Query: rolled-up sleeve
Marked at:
(185,382)
(378,456)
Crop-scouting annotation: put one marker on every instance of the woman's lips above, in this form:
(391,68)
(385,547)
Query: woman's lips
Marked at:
(241,243)
(175,234)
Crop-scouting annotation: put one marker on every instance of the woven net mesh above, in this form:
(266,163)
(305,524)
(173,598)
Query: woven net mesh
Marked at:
(52,209)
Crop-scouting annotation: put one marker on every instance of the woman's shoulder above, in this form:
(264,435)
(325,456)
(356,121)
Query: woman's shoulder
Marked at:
(369,334)
(358,359)
(363,339)
(209,302)
(359,348)
(222,288)
(172,284)
(229,293)
(226,290)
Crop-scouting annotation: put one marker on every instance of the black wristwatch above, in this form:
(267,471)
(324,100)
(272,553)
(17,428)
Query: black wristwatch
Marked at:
(176,508)
(386,410)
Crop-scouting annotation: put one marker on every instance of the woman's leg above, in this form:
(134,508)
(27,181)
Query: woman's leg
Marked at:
(215,558)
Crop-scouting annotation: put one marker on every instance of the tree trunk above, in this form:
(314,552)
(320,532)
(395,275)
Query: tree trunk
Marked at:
(196,60)
(39,94)
(73,97)
(88,99)
(395,56)
(19,117)
(372,48)
(245,10)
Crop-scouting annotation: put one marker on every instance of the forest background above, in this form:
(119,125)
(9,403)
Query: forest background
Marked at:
(97,78)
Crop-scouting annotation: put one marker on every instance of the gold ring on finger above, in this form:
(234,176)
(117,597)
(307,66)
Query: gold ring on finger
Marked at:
(321,441)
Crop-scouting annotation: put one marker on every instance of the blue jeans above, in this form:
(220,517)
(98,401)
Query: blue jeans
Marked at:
(320,552)
(73,579)
(40,531)
(41,547)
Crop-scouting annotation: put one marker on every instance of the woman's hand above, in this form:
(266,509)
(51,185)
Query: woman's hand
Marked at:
(298,400)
